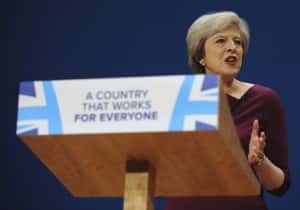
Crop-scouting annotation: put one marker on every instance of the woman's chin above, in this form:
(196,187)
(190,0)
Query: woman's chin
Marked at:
(231,71)
(225,71)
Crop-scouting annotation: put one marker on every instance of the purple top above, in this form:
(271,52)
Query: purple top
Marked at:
(263,104)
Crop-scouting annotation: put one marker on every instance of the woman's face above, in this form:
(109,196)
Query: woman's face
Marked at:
(223,52)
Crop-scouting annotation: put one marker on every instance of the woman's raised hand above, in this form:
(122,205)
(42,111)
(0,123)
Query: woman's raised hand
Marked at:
(256,145)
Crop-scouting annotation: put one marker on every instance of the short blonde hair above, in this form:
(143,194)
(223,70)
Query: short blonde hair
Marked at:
(207,25)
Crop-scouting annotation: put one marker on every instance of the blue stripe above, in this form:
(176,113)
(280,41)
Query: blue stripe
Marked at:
(53,113)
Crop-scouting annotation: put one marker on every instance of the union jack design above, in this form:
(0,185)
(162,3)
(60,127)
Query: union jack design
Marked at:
(196,106)
(38,112)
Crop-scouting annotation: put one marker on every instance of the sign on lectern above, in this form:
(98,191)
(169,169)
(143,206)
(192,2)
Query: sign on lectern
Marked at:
(118,105)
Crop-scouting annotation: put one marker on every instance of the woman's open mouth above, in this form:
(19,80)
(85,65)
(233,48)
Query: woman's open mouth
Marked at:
(231,60)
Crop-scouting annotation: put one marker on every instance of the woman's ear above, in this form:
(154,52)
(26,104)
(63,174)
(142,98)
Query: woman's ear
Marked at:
(202,62)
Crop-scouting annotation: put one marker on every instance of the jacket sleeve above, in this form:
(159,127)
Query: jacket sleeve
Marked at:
(276,133)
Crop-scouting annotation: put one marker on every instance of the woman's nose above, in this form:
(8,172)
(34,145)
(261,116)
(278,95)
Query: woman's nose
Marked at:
(231,45)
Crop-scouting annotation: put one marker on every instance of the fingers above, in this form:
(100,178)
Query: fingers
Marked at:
(258,139)
(255,128)
(256,145)
(262,141)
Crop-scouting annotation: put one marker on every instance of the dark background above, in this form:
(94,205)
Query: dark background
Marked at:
(60,39)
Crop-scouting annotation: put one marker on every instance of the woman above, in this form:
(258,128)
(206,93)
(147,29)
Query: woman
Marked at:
(217,44)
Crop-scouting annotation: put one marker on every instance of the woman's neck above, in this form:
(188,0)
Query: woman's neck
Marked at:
(234,87)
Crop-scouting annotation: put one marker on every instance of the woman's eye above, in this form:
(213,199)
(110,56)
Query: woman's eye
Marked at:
(238,42)
(220,40)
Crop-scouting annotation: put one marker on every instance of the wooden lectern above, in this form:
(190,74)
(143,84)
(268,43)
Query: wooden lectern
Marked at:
(130,155)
